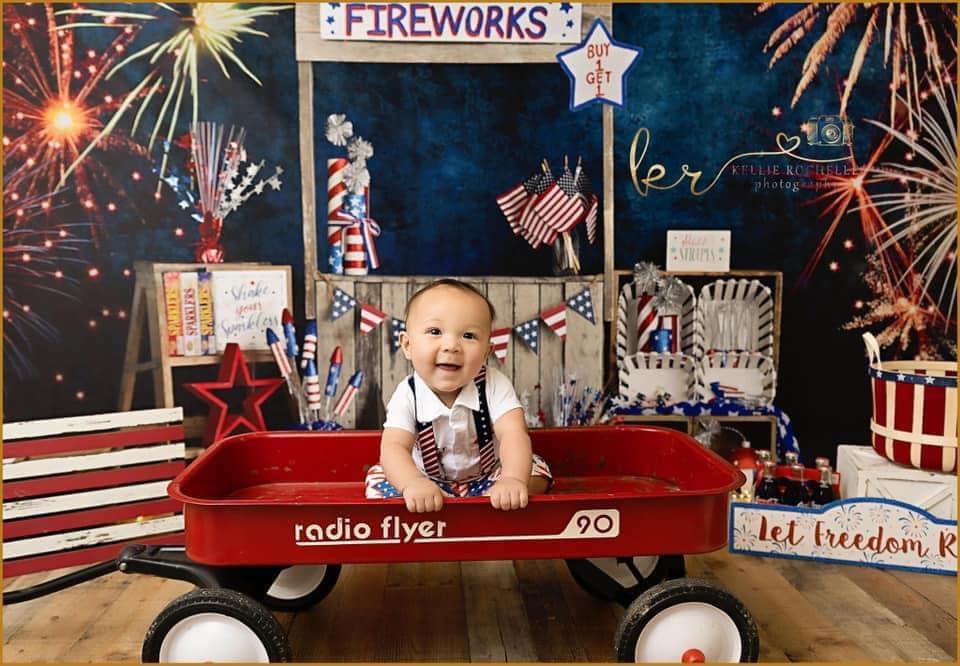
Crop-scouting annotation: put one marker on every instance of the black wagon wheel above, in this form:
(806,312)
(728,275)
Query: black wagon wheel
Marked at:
(687,620)
(301,586)
(215,625)
(622,579)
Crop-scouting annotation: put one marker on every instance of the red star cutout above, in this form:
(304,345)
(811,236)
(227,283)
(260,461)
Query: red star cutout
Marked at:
(220,422)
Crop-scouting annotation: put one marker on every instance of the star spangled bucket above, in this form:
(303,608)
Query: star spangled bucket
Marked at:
(914,418)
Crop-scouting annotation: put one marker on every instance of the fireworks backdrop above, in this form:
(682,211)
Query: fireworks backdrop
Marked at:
(97,97)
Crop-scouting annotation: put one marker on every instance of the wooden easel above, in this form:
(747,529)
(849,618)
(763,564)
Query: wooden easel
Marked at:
(148,312)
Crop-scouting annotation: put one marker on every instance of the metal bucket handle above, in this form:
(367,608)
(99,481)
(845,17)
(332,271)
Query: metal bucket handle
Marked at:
(873,349)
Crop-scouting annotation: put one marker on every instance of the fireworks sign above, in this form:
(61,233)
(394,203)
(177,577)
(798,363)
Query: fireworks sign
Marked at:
(515,22)
(598,67)
(871,532)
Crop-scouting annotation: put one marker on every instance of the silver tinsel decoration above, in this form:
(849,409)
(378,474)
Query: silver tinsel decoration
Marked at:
(646,277)
(359,150)
(338,129)
(670,294)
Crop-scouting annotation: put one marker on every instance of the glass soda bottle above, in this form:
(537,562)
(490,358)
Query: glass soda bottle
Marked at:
(768,492)
(824,491)
(795,493)
(745,459)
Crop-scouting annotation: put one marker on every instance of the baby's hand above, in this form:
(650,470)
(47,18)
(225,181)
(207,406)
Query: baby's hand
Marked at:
(508,493)
(422,495)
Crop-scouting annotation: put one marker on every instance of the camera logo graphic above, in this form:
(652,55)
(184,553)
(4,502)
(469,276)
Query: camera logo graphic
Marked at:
(828,131)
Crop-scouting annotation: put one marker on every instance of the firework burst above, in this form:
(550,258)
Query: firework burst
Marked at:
(925,208)
(901,308)
(211,28)
(37,259)
(918,45)
(54,99)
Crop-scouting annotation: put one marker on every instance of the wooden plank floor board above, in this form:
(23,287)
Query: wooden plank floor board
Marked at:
(938,626)
(497,625)
(521,611)
(550,620)
(883,634)
(943,595)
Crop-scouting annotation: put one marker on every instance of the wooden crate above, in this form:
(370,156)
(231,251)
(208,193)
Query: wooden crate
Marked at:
(516,299)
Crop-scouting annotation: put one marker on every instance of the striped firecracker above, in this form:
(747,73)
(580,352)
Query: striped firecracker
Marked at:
(354,252)
(914,419)
(336,190)
(646,321)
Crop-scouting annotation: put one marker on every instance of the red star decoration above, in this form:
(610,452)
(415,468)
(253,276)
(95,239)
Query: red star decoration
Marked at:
(220,422)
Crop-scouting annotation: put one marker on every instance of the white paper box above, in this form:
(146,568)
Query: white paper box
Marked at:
(865,473)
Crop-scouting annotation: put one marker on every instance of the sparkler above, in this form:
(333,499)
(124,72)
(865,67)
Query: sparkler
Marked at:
(908,29)
(212,28)
(55,99)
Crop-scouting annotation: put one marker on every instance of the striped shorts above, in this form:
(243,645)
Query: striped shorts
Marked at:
(377,486)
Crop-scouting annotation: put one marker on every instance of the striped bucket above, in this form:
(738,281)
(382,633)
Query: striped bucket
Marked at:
(914,411)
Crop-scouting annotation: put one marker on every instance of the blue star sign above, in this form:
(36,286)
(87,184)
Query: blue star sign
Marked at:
(597,68)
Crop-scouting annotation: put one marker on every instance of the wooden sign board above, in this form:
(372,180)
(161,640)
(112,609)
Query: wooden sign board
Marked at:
(517,22)
(246,303)
(698,250)
(867,531)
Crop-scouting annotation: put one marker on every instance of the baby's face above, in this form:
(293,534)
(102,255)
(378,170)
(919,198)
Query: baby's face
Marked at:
(447,339)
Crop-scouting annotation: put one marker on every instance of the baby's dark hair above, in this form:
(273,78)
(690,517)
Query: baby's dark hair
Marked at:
(456,284)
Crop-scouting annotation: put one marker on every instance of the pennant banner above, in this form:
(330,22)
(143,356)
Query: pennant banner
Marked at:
(529,332)
(582,304)
(396,327)
(556,319)
(499,339)
(342,303)
(370,318)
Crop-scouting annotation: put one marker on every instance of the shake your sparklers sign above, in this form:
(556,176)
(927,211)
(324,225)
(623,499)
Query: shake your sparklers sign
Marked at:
(867,531)
(517,22)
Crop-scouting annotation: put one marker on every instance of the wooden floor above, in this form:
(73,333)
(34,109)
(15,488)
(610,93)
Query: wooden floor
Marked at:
(516,611)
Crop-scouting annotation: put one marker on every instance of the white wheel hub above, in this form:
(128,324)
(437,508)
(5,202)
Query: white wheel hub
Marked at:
(683,626)
(212,637)
(621,573)
(297,582)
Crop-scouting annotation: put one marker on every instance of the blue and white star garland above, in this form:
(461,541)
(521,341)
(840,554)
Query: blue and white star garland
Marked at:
(528,331)
(582,304)
(342,303)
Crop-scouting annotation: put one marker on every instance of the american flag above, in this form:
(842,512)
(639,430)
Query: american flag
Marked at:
(584,189)
(513,201)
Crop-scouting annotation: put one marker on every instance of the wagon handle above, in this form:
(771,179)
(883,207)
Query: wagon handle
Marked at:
(60,583)
(873,349)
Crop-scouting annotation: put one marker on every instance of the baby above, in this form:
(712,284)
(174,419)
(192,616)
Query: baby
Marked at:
(454,428)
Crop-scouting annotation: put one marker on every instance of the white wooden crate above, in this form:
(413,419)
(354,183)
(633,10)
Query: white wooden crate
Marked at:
(865,473)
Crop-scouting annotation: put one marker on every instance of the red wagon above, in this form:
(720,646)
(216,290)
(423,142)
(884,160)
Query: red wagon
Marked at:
(270,517)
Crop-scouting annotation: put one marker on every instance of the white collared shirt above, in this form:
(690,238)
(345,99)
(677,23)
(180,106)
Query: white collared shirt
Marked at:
(454,426)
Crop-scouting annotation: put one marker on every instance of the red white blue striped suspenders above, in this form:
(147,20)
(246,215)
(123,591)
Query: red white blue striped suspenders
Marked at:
(427,441)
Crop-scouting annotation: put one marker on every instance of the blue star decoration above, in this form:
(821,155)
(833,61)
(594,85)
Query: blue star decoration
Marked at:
(529,332)
(582,304)
(565,7)
(598,67)
(342,303)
